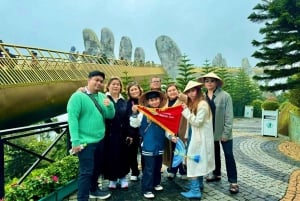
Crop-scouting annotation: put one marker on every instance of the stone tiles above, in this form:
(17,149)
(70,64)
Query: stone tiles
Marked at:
(268,169)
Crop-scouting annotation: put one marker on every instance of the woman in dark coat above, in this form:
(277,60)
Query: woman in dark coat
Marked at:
(134,91)
(116,138)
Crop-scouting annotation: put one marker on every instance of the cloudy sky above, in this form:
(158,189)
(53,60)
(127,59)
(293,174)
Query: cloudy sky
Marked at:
(200,28)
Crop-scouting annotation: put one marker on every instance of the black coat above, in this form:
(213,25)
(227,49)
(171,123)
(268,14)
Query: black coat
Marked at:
(116,148)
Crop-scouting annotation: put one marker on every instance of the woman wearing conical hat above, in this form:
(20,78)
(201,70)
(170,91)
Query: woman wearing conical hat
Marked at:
(200,140)
(220,103)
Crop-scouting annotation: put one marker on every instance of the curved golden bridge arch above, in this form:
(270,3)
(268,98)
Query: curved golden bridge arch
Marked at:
(36,83)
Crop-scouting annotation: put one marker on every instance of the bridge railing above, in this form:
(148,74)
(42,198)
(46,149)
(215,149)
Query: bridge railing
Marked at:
(7,137)
(23,64)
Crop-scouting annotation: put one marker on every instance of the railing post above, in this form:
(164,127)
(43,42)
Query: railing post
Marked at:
(69,144)
(1,169)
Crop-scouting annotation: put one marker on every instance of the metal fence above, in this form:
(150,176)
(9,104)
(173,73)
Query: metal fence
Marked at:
(23,64)
(6,137)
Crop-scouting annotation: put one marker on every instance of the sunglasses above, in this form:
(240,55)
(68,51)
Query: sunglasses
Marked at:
(209,80)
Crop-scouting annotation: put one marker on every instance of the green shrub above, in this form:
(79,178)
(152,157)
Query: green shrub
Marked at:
(270,105)
(294,97)
(42,182)
(257,107)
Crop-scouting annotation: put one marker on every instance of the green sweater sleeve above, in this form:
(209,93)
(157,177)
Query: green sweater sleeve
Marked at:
(86,124)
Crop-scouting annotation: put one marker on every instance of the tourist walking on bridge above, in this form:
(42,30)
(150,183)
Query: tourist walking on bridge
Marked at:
(221,106)
(87,128)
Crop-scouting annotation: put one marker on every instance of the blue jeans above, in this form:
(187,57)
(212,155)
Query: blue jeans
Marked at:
(86,168)
(151,172)
(229,160)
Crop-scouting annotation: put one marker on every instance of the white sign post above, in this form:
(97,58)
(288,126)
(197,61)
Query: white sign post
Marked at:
(248,111)
(269,123)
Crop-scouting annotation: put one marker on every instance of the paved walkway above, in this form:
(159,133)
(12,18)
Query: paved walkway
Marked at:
(264,172)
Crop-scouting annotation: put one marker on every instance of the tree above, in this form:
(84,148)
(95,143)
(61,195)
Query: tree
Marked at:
(226,76)
(279,50)
(219,61)
(166,80)
(185,73)
(243,91)
(247,67)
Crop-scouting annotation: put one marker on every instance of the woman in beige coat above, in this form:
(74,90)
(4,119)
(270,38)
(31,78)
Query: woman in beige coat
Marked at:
(200,139)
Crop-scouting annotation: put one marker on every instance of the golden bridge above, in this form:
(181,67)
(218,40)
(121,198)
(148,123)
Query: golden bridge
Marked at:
(36,83)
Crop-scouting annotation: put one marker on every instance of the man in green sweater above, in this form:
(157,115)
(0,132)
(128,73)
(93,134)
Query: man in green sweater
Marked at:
(87,127)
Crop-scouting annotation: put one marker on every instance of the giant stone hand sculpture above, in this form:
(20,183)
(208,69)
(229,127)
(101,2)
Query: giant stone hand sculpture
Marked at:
(125,50)
(107,42)
(91,42)
(169,54)
(139,56)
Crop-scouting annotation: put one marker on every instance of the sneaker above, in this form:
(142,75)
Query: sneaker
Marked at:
(149,195)
(182,176)
(100,194)
(169,175)
(124,183)
(112,185)
(158,188)
(133,178)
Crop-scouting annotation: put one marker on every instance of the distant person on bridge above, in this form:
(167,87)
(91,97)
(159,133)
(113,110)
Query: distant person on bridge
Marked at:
(220,103)
(72,55)
(87,129)
(11,58)
(34,62)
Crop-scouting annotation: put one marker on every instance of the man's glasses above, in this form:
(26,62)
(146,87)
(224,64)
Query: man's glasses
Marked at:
(209,80)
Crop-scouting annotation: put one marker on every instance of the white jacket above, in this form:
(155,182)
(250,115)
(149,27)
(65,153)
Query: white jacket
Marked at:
(201,141)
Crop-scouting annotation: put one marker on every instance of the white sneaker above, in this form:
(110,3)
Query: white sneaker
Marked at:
(112,185)
(169,175)
(133,178)
(124,183)
(158,188)
(149,195)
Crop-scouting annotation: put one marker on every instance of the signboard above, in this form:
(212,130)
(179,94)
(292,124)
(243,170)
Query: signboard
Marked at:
(269,123)
(248,111)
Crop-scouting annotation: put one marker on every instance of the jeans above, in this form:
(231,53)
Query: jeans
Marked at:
(86,168)
(132,157)
(151,172)
(229,160)
(98,165)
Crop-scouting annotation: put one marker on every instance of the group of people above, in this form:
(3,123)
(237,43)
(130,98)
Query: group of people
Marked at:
(108,130)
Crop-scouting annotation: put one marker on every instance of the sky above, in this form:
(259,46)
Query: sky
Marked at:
(200,28)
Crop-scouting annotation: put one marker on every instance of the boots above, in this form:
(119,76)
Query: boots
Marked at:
(194,191)
(201,185)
